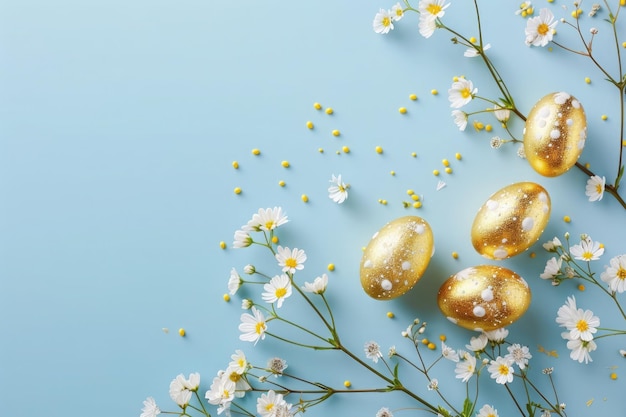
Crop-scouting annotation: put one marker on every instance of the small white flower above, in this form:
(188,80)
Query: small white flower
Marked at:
(241,385)
(242,239)
(277,290)
(392,351)
(234,282)
(580,349)
(498,335)
(372,351)
(427,27)
(461,93)
(238,362)
(150,409)
(221,393)
(193,382)
(246,304)
(440,185)
(465,369)
(179,392)
(615,274)
(552,245)
(448,353)
(501,370)
(595,188)
(540,29)
(384,412)
(249,269)
(432,9)
(277,366)
(552,269)
(433,384)
(397,12)
(383,22)
(521,152)
(290,260)
(338,191)
(460,119)
(519,355)
(318,286)
(472,52)
(477,344)
(496,142)
(588,250)
(267,219)
(252,326)
(487,411)
(501,113)
(582,324)
(268,403)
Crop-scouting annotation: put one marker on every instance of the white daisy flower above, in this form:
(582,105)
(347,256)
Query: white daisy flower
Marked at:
(552,269)
(372,351)
(427,27)
(277,290)
(242,239)
(519,355)
(460,119)
(384,412)
(580,349)
(318,286)
(498,335)
(567,313)
(472,52)
(268,403)
(234,281)
(465,369)
(150,408)
(283,410)
(241,385)
(290,260)
(221,393)
(501,113)
(582,324)
(432,9)
(179,392)
(588,250)
(252,326)
(267,219)
(249,269)
(383,21)
(540,29)
(238,362)
(397,12)
(487,411)
(595,188)
(433,385)
(478,343)
(277,366)
(615,274)
(246,304)
(193,382)
(501,370)
(551,245)
(448,353)
(338,191)
(461,93)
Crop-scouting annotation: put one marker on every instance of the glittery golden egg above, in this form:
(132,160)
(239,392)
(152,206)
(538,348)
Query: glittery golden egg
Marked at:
(511,220)
(484,297)
(396,257)
(555,134)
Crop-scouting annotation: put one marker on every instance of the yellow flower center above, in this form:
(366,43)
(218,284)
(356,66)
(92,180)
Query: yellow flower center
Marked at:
(386,21)
(621,273)
(503,369)
(465,93)
(582,326)
(291,263)
(234,376)
(433,9)
(269,407)
(599,188)
(241,363)
(226,393)
(399,12)
(587,256)
(260,327)
(280,292)
(543,29)
(269,225)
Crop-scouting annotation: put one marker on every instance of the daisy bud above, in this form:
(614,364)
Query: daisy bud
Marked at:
(249,269)
(246,304)
(593,31)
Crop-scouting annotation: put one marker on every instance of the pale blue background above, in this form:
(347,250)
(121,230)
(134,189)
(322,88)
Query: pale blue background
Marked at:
(119,121)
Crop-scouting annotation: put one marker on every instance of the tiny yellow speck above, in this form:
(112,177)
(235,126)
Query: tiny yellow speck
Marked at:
(226,297)
(413,97)
(309,124)
(567,219)
(574,14)
(392,173)
(435,172)
(445,162)
(320,150)
(329,110)
(285,164)
(624,142)
(478,125)
(384,202)
(379,149)
(317,106)
(604,117)
(415,197)
(587,165)
(256,151)
(434,92)
(417,204)
(442,337)
(601,245)
(235,164)
(472,39)
(237,190)
(623,44)
(613,376)
(532,255)
(274,239)
(579,12)
(336,132)
(455,255)
(414,155)
(281,183)
(402,110)
(581,287)
(458,156)
(524,14)
(410,192)
(331,267)
(622,2)
(432,346)
(530,11)
(338,152)
(305,198)
(588,80)
(455,78)
(345,149)
(182,332)
(448,170)
(390,314)
(488,128)
(223,244)
(347,383)
(425,341)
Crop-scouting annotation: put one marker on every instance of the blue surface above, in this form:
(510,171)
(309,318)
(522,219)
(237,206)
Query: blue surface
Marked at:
(119,122)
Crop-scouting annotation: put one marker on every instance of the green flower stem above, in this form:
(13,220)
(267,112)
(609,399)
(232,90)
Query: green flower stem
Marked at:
(330,327)
(514,400)
(554,407)
(204,411)
(241,410)
(304,345)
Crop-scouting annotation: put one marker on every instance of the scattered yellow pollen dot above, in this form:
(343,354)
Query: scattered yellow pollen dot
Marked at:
(329,110)
(235,164)
(622,2)
(223,244)
(390,314)
(402,110)
(413,154)
(601,245)
(567,219)
(613,376)
(320,150)
(425,341)
(410,192)
(413,97)
(581,287)
(256,151)
(588,80)
(309,124)
(345,149)
(455,78)
(472,39)
(448,170)
(604,117)
(442,337)
(237,190)
(458,156)
(285,164)
(435,172)
(533,255)
(623,44)
(347,383)
(281,183)
(445,162)
(524,14)
(624,142)
(182,332)
(305,198)
(587,165)
(488,128)
(478,125)
(417,204)
(384,202)
(331,267)
(455,255)
(392,173)
(434,92)
(226,297)
(336,132)
(379,149)
(274,239)
(338,152)
(415,197)
(317,106)
(530,11)
(432,346)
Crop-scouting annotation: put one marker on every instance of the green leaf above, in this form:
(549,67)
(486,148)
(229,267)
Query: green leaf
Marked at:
(619,176)
(395,371)
(443,411)
(468,408)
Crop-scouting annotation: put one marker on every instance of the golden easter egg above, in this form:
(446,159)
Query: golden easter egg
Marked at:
(511,220)
(396,257)
(484,297)
(555,134)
